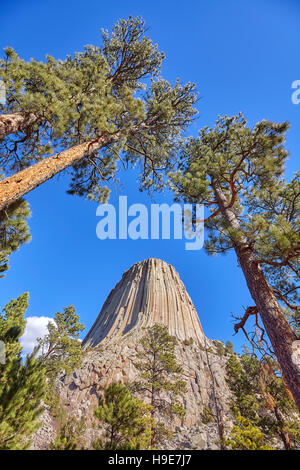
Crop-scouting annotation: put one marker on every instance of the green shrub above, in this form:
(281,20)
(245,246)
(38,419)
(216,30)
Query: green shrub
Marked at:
(207,416)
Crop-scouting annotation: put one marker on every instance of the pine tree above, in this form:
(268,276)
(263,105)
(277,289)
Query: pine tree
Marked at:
(160,378)
(284,418)
(237,172)
(70,435)
(38,104)
(260,397)
(14,231)
(126,420)
(207,416)
(229,347)
(243,380)
(245,436)
(60,352)
(61,348)
(95,100)
(22,385)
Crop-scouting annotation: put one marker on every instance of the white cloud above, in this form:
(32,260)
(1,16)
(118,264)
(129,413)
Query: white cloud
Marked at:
(36,327)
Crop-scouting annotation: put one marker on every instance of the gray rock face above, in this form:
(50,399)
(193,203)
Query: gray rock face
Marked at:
(150,292)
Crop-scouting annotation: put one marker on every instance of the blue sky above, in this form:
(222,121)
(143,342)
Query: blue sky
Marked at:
(243,56)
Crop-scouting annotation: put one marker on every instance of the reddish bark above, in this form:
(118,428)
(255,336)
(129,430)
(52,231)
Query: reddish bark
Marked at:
(275,323)
(21,183)
(11,123)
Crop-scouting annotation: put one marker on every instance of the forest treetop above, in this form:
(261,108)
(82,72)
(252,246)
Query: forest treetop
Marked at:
(115,89)
(248,165)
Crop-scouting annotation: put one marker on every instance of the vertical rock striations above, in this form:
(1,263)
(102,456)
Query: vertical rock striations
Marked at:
(149,292)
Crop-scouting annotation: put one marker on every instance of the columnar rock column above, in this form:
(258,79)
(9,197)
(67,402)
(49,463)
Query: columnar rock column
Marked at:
(149,292)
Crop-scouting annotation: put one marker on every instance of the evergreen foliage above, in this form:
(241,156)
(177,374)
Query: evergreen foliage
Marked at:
(248,164)
(126,420)
(14,231)
(229,347)
(220,348)
(243,380)
(188,342)
(207,416)
(69,436)
(160,378)
(22,385)
(284,418)
(261,400)
(245,436)
(100,91)
(61,349)
(237,173)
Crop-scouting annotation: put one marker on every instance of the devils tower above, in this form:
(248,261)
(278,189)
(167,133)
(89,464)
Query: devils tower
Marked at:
(149,293)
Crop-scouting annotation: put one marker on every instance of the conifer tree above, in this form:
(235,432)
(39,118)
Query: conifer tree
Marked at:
(93,101)
(22,385)
(38,104)
(60,352)
(160,378)
(236,172)
(283,419)
(243,380)
(69,436)
(126,420)
(229,347)
(61,348)
(14,231)
(245,436)
(261,398)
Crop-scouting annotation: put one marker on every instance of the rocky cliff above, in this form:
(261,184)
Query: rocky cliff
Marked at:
(149,292)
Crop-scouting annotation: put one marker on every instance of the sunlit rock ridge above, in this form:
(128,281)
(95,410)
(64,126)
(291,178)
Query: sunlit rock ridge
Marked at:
(149,292)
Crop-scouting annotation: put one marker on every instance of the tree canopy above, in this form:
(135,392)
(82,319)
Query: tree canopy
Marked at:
(14,231)
(248,164)
(115,91)
(60,349)
(126,420)
(237,173)
(160,378)
(22,384)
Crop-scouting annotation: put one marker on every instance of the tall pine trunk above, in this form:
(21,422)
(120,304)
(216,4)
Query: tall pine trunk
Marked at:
(11,123)
(275,323)
(19,184)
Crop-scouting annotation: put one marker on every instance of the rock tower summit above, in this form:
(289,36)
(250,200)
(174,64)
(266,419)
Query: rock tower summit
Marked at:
(149,292)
